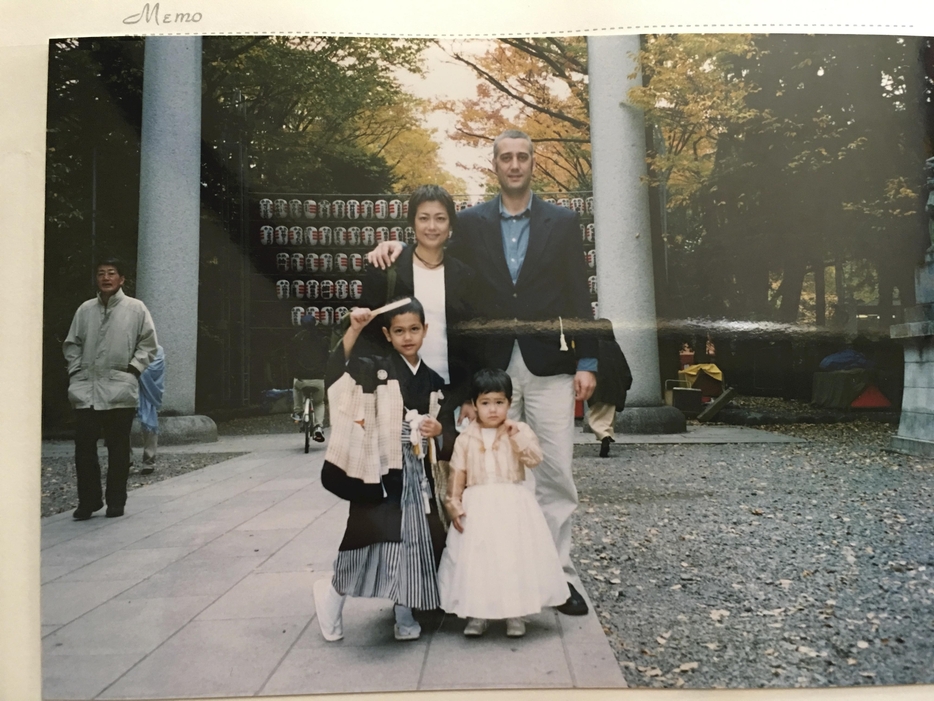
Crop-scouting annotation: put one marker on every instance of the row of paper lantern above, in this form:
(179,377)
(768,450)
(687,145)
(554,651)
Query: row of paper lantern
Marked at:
(332,209)
(376,209)
(319,289)
(328,316)
(352,262)
(325,236)
(320,262)
(325,316)
(581,205)
(367,236)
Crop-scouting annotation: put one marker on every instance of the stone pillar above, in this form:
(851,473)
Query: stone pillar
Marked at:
(169,212)
(916,425)
(625,284)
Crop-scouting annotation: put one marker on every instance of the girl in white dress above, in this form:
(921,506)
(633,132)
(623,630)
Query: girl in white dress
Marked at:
(500,561)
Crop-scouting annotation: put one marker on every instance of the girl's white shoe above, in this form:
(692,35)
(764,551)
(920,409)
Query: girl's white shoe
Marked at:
(515,627)
(329,607)
(476,627)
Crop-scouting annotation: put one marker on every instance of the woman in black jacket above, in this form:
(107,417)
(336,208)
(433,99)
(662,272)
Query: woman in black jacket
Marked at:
(442,285)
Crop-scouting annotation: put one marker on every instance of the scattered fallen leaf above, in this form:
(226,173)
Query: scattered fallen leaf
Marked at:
(867,674)
(718,614)
(862,644)
(687,667)
(785,582)
(716,646)
(850,661)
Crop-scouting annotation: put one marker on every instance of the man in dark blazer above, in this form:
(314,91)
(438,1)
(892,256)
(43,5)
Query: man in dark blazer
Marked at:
(528,259)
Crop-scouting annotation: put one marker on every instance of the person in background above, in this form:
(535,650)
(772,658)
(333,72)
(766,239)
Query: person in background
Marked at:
(112,340)
(309,358)
(613,382)
(151,391)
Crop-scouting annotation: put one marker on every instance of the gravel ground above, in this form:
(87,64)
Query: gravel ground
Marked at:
(752,565)
(60,492)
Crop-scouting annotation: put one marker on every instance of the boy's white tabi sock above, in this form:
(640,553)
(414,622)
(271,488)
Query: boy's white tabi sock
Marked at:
(404,617)
(329,606)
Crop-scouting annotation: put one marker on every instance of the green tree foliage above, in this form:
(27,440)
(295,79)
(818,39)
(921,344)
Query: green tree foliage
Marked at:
(313,114)
(782,154)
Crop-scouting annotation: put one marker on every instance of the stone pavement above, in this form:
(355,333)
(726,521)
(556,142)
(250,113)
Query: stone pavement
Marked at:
(204,589)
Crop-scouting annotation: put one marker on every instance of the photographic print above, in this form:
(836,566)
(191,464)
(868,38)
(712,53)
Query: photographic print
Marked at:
(700,263)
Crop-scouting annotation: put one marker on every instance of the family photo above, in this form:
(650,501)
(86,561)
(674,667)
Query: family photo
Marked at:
(403,364)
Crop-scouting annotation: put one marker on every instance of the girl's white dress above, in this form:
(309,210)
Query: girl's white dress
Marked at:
(504,564)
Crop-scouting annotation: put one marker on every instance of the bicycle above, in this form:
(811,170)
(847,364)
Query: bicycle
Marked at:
(308,424)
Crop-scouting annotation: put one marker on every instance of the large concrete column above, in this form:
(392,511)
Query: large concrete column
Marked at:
(625,285)
(169,210)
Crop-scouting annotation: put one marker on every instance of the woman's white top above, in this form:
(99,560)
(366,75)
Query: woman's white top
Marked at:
(429,290)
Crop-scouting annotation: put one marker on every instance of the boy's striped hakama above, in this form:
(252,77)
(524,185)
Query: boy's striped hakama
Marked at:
(405,571)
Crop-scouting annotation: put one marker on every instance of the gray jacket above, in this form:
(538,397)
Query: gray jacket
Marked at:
(102,342)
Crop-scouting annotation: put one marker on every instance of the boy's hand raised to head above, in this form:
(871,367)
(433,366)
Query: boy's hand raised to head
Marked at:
(384,254)
(360,317)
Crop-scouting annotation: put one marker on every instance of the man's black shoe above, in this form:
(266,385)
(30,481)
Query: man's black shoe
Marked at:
(114,511)
(83,513)
(605,447)
(575,605)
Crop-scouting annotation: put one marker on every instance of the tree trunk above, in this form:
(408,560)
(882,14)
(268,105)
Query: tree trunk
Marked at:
(820,293)
(790,290)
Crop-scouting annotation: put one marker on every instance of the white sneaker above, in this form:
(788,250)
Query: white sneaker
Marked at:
(515,627)
(406,627)
(329,606)
(476,627)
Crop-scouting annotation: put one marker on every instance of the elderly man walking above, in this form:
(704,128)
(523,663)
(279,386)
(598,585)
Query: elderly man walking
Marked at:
(529,262)
(111,342)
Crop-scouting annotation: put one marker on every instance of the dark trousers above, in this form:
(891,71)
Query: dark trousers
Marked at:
(115,425)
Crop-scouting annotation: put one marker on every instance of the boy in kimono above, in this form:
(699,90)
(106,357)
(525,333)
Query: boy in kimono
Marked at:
(391,549)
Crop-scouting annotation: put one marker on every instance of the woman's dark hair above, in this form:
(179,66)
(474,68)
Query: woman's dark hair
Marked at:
(432,193)
(488,380)
(413,307)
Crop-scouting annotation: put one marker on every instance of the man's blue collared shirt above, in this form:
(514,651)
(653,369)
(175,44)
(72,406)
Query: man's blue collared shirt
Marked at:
(515,232)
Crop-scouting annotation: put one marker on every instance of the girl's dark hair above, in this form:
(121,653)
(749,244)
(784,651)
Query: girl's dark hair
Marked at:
(489,380)
(413,307)
(432,193)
